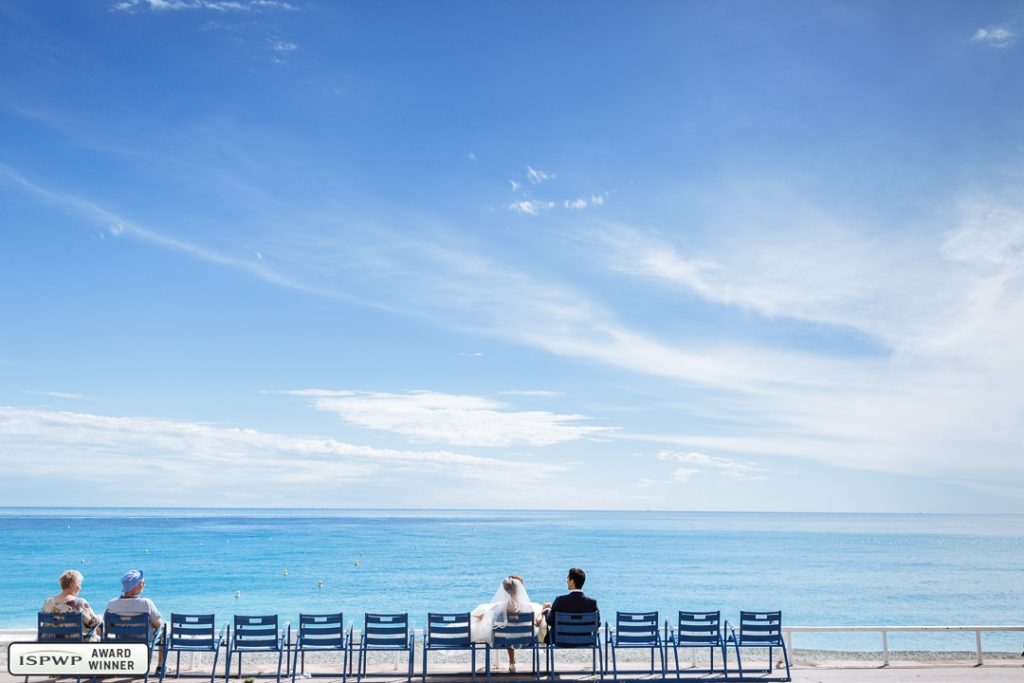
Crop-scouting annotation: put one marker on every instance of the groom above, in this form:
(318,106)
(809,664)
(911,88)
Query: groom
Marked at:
(573,602)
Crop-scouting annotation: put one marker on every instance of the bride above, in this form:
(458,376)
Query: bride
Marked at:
(511,596)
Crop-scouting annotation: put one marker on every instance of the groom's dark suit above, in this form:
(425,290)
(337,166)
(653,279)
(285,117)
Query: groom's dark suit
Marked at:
(573,602)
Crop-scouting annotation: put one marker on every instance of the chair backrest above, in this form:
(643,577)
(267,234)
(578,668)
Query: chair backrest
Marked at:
(62,626)
(637,628)
(448,630)
(192,631)
(128,628)
(760,628)
(322,630)
(257,632)
(576,629)
(699,628)
(386,631)
(516,631)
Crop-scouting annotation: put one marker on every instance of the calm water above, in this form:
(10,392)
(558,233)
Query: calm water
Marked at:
(819,569)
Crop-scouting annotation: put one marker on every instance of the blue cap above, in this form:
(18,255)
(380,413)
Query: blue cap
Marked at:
(131,579)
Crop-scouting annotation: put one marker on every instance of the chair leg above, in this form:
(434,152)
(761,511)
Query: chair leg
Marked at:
(213,668)
(227,665)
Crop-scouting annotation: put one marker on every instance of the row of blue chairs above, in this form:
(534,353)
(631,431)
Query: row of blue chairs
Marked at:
(196,633)
(699,630)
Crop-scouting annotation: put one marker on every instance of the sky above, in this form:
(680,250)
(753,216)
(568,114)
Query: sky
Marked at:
(584,255)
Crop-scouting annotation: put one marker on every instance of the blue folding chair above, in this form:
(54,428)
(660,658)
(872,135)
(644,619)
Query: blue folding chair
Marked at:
(192,633)
(59,626)
(448,632)
(385,632)
(635,630)
(256,634)
(517,632)
(319,633)
(132,628)
(582,630)
(697,630)
(65,626)
(758,630)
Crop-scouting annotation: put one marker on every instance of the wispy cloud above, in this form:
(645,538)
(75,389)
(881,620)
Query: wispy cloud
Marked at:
(701,462)
(71,396)
(132,6)
(460,420)
(194,456)
(578,203)
(537,177)
(531,207)
(994,36)
(279,45)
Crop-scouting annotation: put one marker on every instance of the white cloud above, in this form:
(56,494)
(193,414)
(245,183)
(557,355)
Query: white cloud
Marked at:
(72,396)
(132,6)
(281,45)
(701,462)
(40,443)
(578,203)
(995,36)
(461,420)
(597,200)
(684,474)
(530,207)
(935,315)
(515,185)
(536,176)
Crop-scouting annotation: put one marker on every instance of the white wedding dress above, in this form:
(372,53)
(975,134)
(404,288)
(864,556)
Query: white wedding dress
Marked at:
(485,617)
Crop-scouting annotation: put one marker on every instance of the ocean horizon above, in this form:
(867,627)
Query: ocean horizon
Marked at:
(820,569)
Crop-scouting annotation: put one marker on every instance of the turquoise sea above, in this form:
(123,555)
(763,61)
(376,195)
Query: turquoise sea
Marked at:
(819,569)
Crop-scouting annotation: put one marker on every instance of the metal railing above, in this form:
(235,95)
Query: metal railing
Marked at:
(788,631)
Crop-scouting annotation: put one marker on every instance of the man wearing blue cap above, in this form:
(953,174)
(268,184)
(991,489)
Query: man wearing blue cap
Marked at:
(132,584)
(130,603)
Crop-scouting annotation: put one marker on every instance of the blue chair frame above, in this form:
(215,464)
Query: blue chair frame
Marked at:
(634,630)
(63,626)
(576,630)
(319,633)
(257,633)
(385,632)
(759,630)
(132,628)
(518,632)
(59,626)
(192,633)
(448,631)
(696,630)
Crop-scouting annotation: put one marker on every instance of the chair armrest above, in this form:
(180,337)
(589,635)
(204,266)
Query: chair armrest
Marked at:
(347,641)
(730,632)
(285,635)
(221,635)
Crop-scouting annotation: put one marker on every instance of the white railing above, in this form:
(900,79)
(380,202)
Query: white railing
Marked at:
(788,631)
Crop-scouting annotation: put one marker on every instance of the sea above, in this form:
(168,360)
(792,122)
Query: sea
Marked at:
(818,569)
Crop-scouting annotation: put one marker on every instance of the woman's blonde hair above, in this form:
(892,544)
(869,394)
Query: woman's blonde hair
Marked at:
(71,577)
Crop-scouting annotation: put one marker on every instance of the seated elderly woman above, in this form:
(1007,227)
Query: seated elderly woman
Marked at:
(68,602)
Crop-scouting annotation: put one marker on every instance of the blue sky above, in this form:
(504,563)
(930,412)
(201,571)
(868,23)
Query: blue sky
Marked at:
(665,255)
